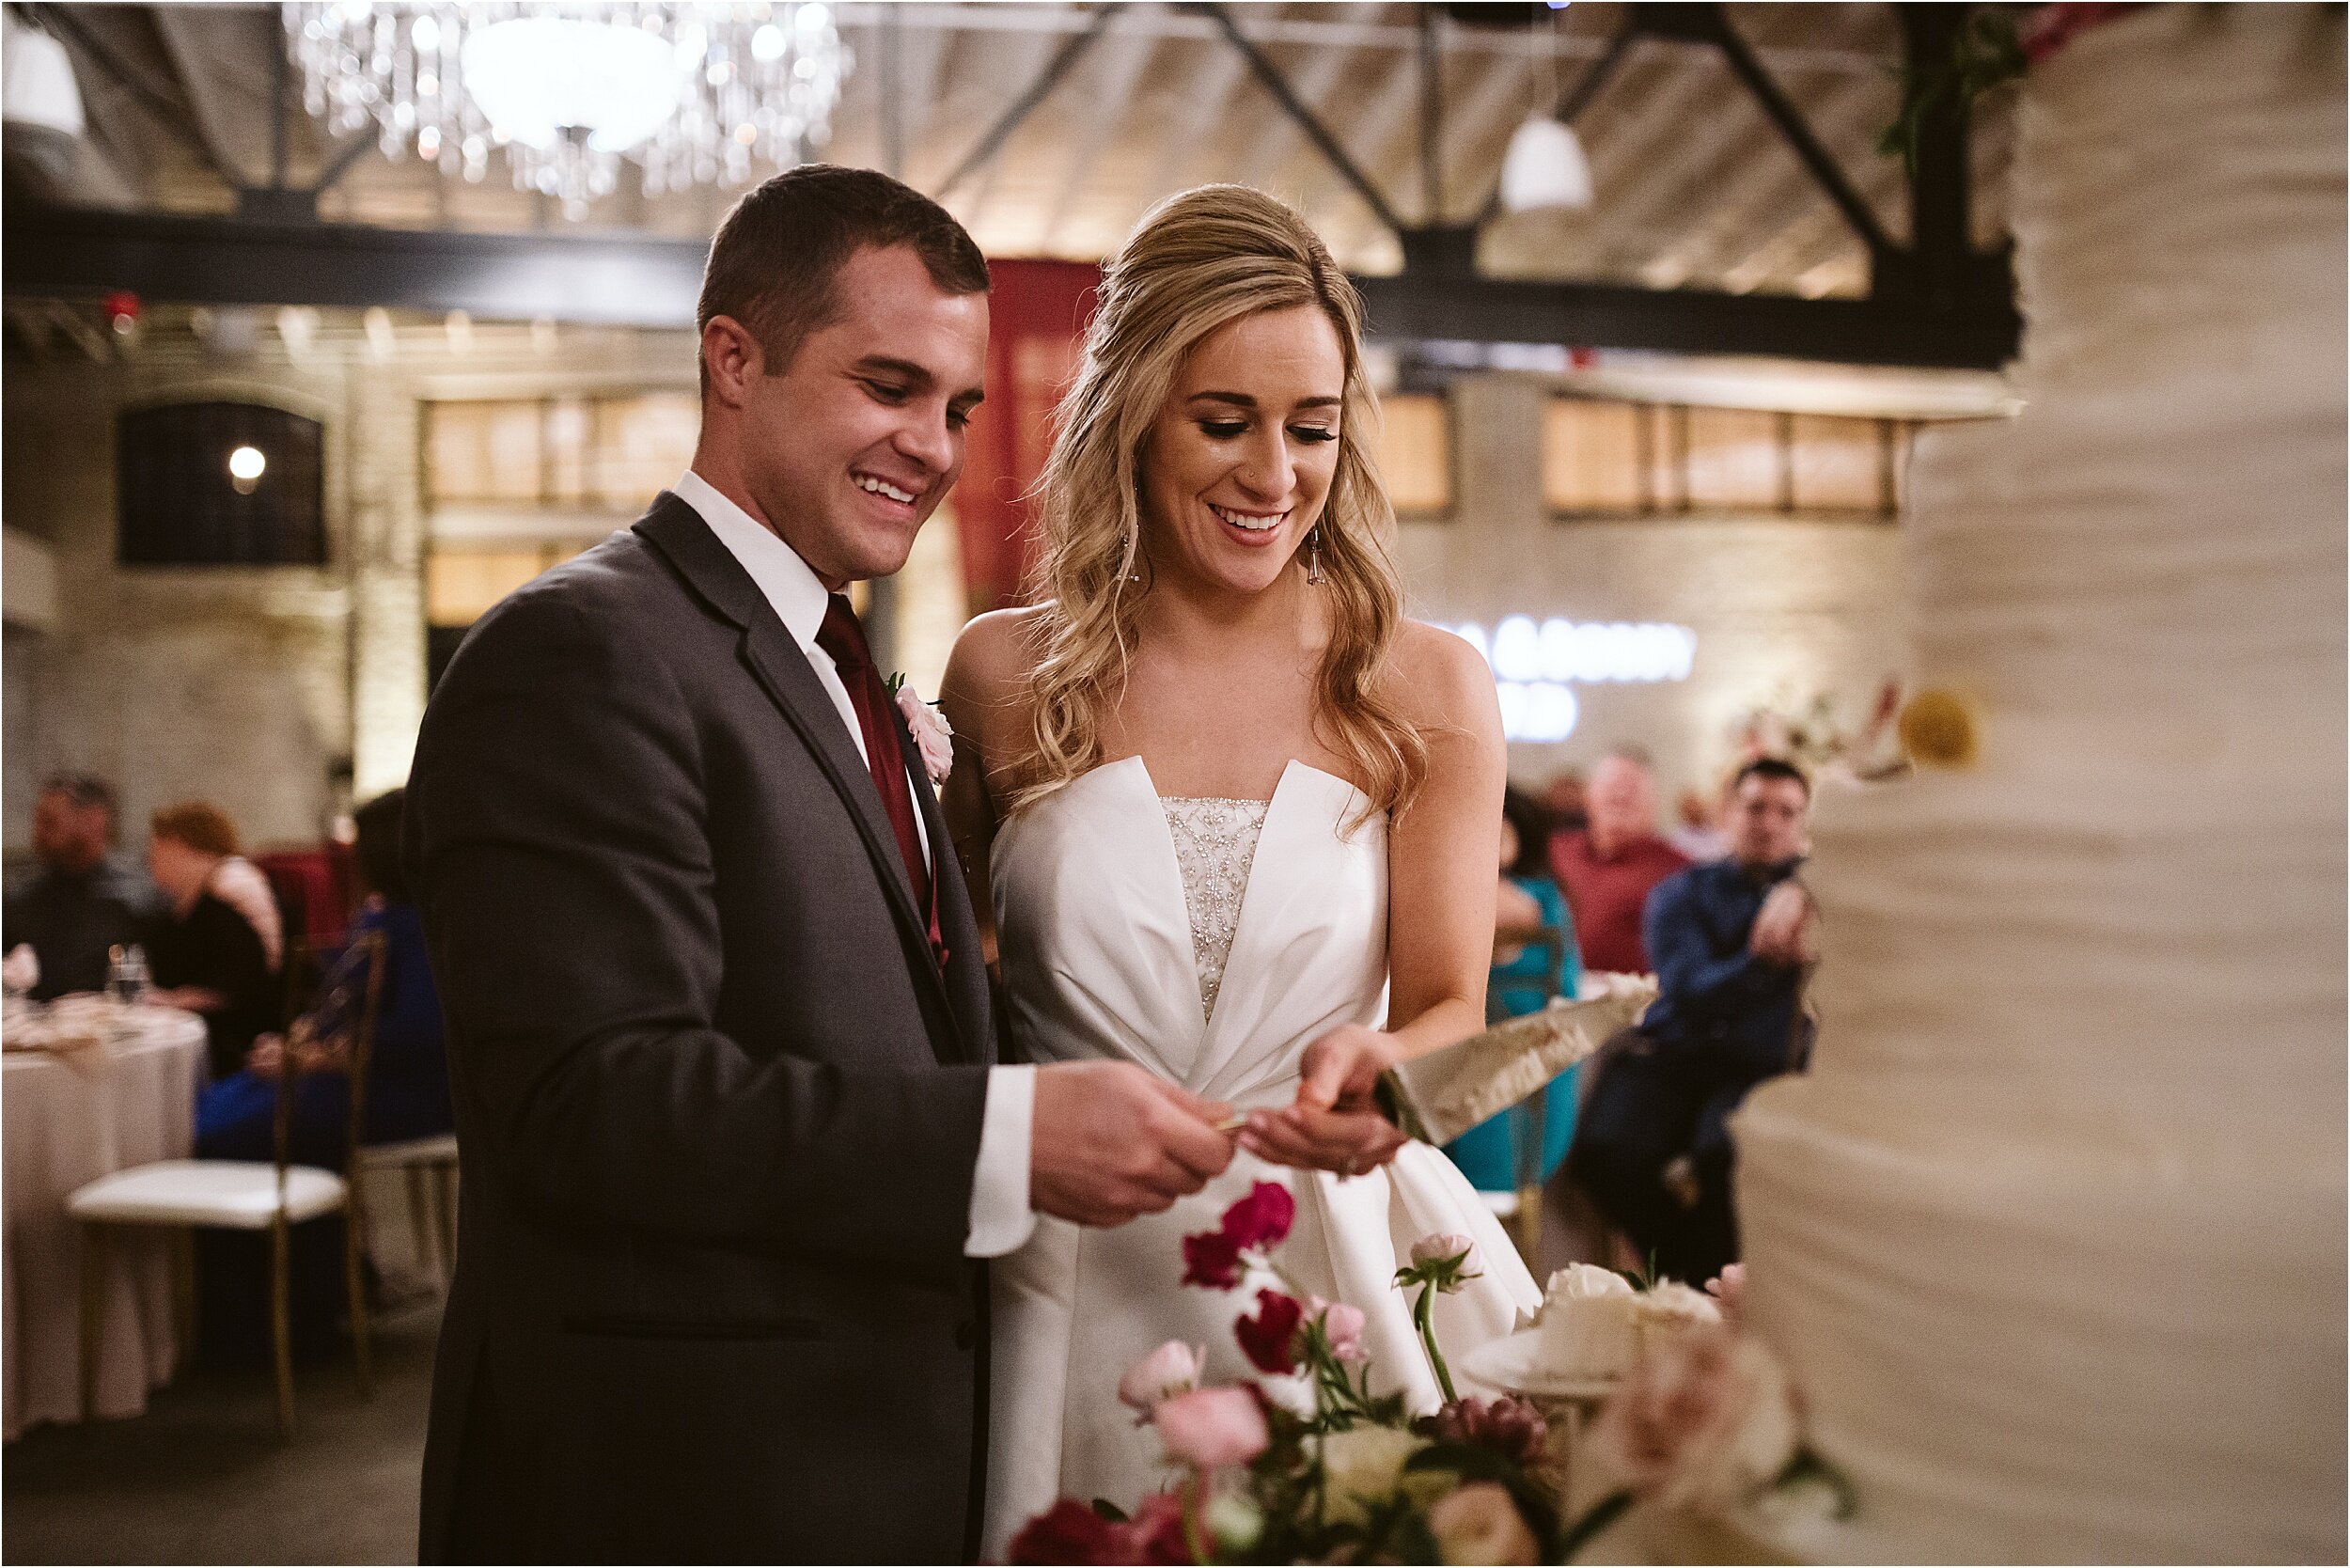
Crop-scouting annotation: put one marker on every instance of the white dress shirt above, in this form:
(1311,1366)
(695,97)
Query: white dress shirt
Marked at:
(1001,1218)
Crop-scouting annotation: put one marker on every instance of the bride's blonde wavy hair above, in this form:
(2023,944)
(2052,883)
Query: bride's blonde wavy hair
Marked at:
(1199,260)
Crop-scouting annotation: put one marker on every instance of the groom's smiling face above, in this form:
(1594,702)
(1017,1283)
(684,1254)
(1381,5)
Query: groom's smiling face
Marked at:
(850,446)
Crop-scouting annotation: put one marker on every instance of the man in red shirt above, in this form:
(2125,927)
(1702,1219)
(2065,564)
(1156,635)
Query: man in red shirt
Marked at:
(1608,868)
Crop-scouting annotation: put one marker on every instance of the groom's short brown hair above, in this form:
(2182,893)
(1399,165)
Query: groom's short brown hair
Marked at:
(776,255)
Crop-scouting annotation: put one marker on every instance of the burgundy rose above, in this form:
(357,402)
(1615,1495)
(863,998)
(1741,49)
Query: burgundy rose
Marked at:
(1510,1427)
(1261,1220)
(1270,1338)
(1210,1259)
(1068,1532)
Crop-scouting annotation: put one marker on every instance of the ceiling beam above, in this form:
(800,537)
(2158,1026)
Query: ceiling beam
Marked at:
(1124,60)
(1055,72)
(1309,30)
(641,281)
(182,31)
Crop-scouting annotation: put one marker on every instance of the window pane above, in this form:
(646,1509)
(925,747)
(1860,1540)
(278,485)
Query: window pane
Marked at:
(567,429)
(483,451)
(1669,474)
(1838,465)
(1415,453)
(460,585)
(219,484)
(642,445)
(1592,455)
(1734,460)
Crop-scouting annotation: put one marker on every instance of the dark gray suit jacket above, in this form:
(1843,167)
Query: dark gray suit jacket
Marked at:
(718,1105)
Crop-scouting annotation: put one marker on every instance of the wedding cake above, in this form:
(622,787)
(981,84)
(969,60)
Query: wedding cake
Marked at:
(1589,1325)
(2051,1237)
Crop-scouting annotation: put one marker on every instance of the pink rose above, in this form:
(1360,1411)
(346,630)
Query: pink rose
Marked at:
(932,736)
(1262,1218)
(1443,1259)
(1171,1370)
(1704,1421)
(1211,1427)
(1343,1325)
(1729,1288)
(1479,1523)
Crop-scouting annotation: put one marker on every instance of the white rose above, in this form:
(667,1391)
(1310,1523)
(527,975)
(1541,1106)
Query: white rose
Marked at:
(1583,1281)
(1363,1467)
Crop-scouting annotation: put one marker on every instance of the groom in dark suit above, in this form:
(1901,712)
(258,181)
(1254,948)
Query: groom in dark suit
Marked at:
(733,1132)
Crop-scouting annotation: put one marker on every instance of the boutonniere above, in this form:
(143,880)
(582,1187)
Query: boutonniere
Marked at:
(932,735)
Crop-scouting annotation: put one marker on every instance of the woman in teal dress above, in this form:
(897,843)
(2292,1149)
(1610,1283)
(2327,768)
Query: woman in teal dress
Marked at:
(1525,975)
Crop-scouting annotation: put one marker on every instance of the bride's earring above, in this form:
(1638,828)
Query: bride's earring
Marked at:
(1313,557)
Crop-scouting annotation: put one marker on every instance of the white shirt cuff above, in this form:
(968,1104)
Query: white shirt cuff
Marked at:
(1000,1216)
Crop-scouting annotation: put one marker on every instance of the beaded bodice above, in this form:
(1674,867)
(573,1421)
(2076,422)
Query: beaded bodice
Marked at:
(1216,843)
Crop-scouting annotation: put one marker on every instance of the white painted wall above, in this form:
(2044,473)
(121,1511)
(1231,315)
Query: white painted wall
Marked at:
(1782,609)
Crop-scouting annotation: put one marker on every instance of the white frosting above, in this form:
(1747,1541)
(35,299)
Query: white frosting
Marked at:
(2052,1235)
(1589,1323)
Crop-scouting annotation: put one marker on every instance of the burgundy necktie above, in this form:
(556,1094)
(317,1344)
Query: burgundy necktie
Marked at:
(843,638)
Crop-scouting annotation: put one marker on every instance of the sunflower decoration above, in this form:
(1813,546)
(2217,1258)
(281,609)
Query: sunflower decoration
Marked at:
(1941,729)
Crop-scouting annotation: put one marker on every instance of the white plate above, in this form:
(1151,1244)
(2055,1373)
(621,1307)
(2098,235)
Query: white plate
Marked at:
(1513,1365)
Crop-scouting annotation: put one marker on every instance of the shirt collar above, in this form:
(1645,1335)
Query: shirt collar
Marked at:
(790,584)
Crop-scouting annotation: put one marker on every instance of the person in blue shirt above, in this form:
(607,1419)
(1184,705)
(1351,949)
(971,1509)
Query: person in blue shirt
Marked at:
(408,1097)
(1524,976)
(1733,942)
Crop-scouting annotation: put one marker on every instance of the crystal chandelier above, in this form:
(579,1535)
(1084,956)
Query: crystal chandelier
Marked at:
(693,94)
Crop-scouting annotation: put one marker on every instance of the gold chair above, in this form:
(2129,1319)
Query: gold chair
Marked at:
(248,1195)
(430,1164)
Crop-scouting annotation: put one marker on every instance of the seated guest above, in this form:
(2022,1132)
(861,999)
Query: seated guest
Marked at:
(1527,973)
(208,955)
(408,1068)
(1733,942)
(1563,797)
(85,900)
(1608,868)
(407,1097)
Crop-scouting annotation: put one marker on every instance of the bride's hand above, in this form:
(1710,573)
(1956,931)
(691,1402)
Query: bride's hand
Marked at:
(1334,1125)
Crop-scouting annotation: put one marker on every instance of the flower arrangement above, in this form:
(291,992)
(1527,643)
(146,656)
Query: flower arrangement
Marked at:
(1709,1423)
(1353,1478)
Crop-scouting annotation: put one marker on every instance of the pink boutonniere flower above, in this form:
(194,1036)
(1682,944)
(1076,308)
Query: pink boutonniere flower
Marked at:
(932,736)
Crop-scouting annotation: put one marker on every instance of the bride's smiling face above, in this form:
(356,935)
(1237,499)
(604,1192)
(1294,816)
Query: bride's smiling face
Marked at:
(1240,459)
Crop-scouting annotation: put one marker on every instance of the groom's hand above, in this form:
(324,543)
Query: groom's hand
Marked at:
(1110,1141)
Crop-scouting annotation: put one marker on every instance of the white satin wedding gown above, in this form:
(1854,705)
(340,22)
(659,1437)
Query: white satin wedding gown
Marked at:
(1211,941)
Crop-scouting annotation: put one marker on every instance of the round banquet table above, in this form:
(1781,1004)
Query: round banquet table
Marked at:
(74,1114)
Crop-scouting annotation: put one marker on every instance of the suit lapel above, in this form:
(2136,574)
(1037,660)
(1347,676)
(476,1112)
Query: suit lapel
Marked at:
(966,972)
(784,674)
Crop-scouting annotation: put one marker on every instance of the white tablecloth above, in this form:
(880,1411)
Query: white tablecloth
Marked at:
(70,1118)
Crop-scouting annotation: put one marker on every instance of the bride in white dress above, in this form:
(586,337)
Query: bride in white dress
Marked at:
(1234,817)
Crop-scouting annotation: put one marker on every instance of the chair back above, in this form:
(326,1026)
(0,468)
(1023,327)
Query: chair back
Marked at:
(345,1006)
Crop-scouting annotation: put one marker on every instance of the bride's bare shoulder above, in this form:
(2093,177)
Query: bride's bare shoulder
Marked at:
(993,656)
(1440,681)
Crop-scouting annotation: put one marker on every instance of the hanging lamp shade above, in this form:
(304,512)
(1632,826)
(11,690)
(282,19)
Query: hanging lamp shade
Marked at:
(1544,168)
(38,91)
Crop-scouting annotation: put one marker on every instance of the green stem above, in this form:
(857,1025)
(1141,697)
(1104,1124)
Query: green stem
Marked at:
(1423,1318)
(1195,1538)
(1601,1513)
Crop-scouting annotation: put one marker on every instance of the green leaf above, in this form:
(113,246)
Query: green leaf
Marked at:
(1109,1511)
